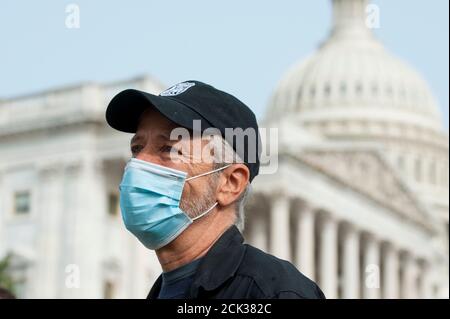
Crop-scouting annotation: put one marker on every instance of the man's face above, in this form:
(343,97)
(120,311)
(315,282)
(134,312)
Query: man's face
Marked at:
(152,143)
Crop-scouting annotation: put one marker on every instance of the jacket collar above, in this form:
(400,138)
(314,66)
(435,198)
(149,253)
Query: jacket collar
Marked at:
(219,264)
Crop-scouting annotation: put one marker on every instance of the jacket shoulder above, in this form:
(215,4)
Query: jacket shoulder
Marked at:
(276,277)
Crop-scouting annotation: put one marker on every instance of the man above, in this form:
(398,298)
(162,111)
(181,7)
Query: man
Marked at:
(182,194)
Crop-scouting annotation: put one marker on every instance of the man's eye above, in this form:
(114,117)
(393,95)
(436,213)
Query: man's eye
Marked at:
(170,149)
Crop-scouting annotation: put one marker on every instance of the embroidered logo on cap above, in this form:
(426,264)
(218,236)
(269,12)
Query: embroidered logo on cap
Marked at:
(177,89)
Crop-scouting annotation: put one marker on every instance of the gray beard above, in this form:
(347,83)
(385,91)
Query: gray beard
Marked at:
(194,207)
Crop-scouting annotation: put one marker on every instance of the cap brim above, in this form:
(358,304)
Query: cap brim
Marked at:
(125,109)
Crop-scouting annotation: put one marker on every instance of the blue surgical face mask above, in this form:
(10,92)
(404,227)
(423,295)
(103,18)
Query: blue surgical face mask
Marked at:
(150,202)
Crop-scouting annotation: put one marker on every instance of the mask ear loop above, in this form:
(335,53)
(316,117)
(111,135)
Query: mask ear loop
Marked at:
(207,173)
(216,203)
(204,213)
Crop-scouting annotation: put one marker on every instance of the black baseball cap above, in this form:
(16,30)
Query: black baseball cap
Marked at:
(187,101)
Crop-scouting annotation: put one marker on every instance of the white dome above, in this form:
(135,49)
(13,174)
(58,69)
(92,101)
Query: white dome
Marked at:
(352,78)
(352,90)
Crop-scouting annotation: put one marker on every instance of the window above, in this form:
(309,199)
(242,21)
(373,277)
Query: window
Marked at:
(312,92)
(418,170)
(299,94)
(327,90)
(433,172)
(22,202)
(401,162)
(403,92)
(299,98)
(374,90)
(343,89)
(113,204)
(108,290)
(17,271)
(359,88)
(20,287)
(389,91)
(444,177)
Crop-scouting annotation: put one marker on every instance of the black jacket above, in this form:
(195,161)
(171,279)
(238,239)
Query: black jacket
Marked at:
(233,270)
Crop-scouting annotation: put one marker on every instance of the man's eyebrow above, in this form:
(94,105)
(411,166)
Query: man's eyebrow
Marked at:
(163,136)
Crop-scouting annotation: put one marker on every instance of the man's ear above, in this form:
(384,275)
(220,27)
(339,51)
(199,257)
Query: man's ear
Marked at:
(232,183)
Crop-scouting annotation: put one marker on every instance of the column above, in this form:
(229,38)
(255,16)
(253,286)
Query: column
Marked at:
(71,200)
(258,231)
(279,227)
(305,241)
(409,282)
(328,257)
(141,257)
(90,214)
(46,281)
(425,288)
(371,257)
(391,280)
(350,263)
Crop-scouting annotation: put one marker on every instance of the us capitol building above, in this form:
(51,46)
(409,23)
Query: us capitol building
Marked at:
(359,201)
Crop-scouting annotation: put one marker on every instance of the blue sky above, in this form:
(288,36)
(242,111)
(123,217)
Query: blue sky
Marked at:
(243,47)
